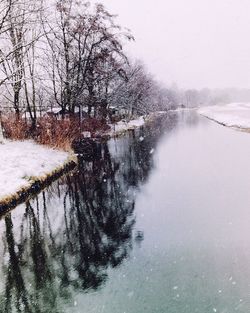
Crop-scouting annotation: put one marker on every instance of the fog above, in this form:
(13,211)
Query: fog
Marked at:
(195,43)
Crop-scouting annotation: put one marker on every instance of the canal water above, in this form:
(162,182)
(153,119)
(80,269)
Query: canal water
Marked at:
(158,221)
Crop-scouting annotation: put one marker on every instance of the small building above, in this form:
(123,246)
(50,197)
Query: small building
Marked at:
(58,113)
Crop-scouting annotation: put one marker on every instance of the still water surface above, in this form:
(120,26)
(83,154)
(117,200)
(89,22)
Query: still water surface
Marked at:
(159,221)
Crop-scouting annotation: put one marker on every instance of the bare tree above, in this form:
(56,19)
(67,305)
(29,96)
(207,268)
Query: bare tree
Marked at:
(85,44)
(5,7)
(18,39)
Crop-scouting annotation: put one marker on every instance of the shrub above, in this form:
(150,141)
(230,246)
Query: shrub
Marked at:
(51,131)
(16,129)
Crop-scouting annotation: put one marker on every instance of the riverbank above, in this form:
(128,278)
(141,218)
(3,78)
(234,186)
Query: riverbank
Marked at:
(123,126)
(26,167)
(234,115)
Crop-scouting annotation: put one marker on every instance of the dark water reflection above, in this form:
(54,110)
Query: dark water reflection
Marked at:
(158,221)
(65,242)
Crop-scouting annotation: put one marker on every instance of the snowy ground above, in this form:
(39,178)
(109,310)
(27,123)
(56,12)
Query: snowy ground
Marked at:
(123,126)
(21,161)
(233,115)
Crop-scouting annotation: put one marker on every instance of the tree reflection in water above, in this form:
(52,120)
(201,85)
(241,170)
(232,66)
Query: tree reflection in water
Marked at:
(64,240)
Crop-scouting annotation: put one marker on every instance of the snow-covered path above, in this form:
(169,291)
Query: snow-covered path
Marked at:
(21,162)
(233,115)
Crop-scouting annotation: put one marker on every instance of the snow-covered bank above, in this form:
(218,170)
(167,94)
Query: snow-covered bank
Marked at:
(123,126)
(27,167)
(24,163)
(235,115)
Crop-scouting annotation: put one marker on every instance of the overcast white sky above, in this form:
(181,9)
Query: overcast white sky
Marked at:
(195,43)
